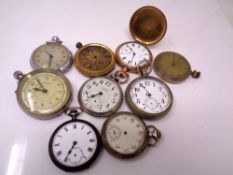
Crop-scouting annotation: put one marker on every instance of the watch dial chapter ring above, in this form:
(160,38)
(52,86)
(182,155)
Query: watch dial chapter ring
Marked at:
(45,116)
(90,72)
(131,69)
(89,162)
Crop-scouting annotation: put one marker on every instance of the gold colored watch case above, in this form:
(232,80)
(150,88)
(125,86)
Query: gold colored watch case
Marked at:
(92,56)
(142,114)
(132,69)
(172,67)
(148,25)
(115,153)
(44,116)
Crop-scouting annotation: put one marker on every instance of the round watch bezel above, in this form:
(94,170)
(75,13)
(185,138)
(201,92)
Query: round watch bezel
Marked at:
(141,113)
(100,114)
(112,151)
(164,76)
(132,69)
(50,115)
(64,68)
(89,72)
(86,164)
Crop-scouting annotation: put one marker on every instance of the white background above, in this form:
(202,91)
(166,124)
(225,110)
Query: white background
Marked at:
(197,132)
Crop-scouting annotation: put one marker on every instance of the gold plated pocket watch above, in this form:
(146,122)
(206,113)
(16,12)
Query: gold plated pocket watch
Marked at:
(173,67)
(75,144)
(52,55)
(147,26)
(43,93)
(129,54)
(94,59)
(148,97)
(100,96)
(125,136)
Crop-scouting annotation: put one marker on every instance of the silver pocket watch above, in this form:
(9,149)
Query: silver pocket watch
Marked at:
(147,96)
(100,96)
(75,144)
(53,55)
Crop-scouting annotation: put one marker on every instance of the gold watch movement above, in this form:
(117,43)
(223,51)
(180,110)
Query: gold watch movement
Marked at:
(94,59)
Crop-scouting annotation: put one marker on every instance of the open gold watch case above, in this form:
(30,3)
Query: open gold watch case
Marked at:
(148,25)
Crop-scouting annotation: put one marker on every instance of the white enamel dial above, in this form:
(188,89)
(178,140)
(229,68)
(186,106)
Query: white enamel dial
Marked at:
(149,95)
(73,144)
(100,96)
(129,54)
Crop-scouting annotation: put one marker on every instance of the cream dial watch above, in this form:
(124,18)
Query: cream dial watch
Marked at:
(43,93)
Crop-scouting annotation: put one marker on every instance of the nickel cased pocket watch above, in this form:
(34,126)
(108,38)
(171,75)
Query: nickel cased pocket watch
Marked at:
(129,54)
(53,54)
(75,144)
(94,59)
(43,93)
(173,67)
(100,96)
(148,97)
(125,135)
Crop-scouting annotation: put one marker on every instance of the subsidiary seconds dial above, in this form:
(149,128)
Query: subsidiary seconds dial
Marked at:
(100,96)
(148,97)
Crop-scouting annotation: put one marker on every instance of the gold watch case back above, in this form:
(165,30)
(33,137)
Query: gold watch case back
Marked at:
(148,25)
(172,67)
(94,60)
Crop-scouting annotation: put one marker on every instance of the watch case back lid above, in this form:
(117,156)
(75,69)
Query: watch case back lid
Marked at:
(148,25)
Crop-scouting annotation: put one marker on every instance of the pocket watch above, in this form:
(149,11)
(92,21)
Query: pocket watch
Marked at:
(75,144)
(173,67)
(43,93)
(148,97)
(148,25)
(100,96)
(52,55)
(125,136)
(94,59)
(129,54)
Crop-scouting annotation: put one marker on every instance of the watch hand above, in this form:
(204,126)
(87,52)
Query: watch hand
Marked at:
(42,87)
(69,152)
(148,94)
(49,54)
(42,90)
(94,95)
(50,58)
